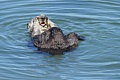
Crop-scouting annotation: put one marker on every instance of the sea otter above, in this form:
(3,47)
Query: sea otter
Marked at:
(55,42)
(39,24)
(46,36)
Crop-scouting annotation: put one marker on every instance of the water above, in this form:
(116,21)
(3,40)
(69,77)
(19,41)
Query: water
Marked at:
(97,58)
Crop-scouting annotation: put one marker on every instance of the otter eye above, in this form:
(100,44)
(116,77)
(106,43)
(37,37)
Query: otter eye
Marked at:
(42,18)
(38,18)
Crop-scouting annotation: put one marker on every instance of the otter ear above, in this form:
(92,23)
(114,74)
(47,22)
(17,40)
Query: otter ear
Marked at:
(38,18)
(46,18)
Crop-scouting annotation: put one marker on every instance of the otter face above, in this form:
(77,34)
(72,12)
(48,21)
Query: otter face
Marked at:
(43,20)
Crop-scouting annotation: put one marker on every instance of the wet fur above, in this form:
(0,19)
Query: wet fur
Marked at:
(49,37)
(55,42)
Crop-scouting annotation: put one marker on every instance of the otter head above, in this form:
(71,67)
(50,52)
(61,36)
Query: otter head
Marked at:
(43,20)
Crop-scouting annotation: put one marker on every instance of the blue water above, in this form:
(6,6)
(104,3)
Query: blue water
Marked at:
(97,58)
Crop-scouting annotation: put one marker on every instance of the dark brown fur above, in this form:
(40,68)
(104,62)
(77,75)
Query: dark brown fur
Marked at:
(55,42)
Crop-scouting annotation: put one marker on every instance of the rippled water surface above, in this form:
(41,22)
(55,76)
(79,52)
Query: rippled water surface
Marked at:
(97,58)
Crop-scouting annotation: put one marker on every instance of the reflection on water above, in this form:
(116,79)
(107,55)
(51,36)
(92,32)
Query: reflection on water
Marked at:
(96,58)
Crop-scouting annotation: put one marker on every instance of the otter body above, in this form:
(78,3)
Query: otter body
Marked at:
(46,36)
(55,42)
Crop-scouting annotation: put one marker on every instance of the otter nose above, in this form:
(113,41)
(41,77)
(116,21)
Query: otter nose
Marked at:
(42,23)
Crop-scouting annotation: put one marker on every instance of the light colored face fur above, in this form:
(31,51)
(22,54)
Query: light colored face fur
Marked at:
(43,20)
(40,24)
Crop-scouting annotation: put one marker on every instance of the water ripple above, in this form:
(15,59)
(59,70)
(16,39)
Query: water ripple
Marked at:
(96,58)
